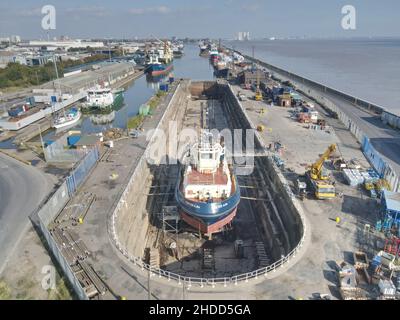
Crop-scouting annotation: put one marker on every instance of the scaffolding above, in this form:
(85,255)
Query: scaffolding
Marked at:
(170,219)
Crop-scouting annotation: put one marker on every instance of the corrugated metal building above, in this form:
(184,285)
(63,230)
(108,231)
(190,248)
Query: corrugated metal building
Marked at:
(250,77)
(391,208)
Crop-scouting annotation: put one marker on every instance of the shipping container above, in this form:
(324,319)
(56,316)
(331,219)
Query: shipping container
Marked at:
(18,110)
(31,100)
(164,87)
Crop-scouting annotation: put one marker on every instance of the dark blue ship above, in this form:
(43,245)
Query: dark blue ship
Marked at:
(207,191)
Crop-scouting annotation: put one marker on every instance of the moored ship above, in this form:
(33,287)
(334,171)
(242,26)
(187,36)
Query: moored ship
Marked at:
(207,191)
(214,56)
(221,69)
(159,62)
(102,99)
(204,49)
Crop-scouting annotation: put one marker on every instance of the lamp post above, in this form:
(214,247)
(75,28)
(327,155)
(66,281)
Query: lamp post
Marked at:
(41,141)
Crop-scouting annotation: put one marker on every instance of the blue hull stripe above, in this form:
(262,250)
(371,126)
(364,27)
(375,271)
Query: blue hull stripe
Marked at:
(208,212)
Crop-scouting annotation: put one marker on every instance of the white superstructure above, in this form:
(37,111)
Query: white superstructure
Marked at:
(208,175)
(99,97)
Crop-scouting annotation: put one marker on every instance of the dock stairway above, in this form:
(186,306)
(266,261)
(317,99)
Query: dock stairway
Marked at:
(263,260)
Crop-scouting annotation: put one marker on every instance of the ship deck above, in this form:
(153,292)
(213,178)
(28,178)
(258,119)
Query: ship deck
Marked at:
(218,178)
(199,178)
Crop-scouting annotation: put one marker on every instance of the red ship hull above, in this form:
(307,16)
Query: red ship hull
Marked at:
(208,228)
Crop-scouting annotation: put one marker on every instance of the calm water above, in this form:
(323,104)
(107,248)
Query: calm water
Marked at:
(368,69)
(191,65)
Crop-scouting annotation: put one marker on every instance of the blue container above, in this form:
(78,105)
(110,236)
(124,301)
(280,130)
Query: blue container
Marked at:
(16,111)
(72,140)
(164,87)
(31,101)
(171,80)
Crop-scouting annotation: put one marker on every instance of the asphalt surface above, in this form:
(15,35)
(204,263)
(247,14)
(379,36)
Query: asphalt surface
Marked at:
(22,188)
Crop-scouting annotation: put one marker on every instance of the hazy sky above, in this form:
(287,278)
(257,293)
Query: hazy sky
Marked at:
(201,18)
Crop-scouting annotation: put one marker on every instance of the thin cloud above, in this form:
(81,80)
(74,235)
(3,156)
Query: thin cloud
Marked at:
(150,10)
(33,12)
(253,6)
(88,11)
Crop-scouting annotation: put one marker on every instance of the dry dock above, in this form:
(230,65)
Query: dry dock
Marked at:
(289,246)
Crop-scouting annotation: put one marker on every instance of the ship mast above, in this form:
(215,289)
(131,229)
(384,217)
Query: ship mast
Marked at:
(58,80)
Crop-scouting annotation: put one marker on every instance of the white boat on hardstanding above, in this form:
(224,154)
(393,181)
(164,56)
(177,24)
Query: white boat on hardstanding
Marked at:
(68,119)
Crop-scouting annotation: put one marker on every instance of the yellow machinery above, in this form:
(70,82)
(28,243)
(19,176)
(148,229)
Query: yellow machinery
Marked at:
(382,184)
(323,190)
(319,177)
(258,96)
(317,169)
(260,128)
(369,185)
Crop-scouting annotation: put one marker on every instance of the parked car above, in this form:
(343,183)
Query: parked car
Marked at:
(134,133)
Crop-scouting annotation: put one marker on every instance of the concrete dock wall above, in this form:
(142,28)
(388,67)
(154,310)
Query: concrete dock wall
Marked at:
(130,220)
(391,119)
(369,106)
(131,223)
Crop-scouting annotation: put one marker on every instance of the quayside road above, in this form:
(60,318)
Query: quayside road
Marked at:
(22,188)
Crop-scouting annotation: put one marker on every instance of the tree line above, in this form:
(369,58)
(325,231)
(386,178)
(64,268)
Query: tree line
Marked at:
(18,75)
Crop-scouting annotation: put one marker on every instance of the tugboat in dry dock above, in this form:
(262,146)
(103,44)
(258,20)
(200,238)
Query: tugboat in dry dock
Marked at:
(207,191)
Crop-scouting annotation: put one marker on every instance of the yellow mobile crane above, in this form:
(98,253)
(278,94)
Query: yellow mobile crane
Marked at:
(258,96)
(319,177)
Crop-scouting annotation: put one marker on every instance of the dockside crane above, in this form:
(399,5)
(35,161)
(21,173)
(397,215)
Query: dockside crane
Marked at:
(167,55)
(258,95)
(319,178)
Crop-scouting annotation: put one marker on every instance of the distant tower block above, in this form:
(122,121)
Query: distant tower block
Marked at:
(243,36)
